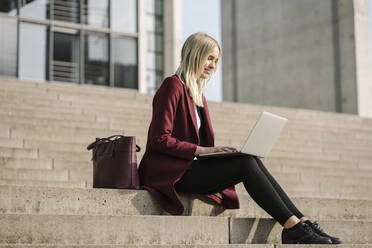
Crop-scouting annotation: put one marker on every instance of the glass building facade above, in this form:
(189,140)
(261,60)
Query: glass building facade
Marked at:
(155,41)
(79,41)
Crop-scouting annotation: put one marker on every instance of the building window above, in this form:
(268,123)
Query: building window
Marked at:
(125,62)
(96,59)
(36,9)
(8,46)
(32,52)
(66,10)
(65,64)
(8,7)
(95,13)
(155,41)
(88,42)
(124,16)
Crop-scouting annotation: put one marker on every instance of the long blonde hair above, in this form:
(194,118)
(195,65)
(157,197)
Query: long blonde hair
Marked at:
(194,54)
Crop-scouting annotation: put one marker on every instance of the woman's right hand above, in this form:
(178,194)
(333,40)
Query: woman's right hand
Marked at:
(204,150)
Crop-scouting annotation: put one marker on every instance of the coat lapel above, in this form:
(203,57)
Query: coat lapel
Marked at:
(191,106)
(208,124)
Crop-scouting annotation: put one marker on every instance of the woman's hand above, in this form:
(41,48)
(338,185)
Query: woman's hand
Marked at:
(203,150)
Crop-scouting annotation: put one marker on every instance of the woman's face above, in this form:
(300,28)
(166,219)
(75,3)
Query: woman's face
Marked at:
(211,63)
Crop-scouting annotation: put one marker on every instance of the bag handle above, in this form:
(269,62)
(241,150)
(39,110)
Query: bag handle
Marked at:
(102,140)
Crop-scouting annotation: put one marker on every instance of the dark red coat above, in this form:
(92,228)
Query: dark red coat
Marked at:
(171,143)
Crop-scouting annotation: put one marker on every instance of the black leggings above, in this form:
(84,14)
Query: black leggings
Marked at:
(211,175)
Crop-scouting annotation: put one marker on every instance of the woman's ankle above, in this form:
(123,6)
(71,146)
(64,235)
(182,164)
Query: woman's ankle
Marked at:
(291,222)
(303,219)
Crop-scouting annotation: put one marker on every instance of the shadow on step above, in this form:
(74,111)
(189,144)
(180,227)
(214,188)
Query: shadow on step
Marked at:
(254,231)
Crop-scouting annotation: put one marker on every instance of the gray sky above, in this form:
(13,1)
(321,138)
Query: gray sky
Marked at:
(204,16)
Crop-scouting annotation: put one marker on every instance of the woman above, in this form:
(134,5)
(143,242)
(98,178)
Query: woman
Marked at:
(181,129)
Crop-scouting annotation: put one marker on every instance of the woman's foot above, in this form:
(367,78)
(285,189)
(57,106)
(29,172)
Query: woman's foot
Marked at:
(302,233)
(315,227)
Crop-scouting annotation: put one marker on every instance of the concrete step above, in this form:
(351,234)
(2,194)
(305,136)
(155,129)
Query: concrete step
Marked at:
(229,106)
(316,162)
(11,143)
(217,115)
(301,191)
(34,174)
(59,88)
(63,86)
(103,115)
(69,135)
(26,163)
(18,107)
(320,189)
(316,181)
(49,127)
(117,124)
(43,183)
(67,163)
(314,170)
(287,147)
(288,175)
(81,98)
(73,156)
(192,246)
(95,229)
(68,201)
(249,230)
(84,168)
(87,89)
(323,148)
(317,177)
(132,120)
(223,115)
(7,97)
(6,152)
(46,114)
(55,146)
(65,145)
(19,119)
(48,104)
(160,246)
(309,191)
(81,168)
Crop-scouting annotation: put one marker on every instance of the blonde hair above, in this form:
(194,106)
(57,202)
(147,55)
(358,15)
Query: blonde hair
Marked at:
(194,54)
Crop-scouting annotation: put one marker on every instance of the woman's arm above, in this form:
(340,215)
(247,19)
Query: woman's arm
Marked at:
(201,149)
(165,104)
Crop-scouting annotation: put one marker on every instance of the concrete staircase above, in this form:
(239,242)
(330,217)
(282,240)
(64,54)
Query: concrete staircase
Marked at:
(323,160)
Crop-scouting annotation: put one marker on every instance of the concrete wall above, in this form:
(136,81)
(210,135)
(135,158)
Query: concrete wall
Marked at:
(363,57)
(172,35)
(290,53)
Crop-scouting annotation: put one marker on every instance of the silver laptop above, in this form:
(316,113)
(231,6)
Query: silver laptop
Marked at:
(261,138)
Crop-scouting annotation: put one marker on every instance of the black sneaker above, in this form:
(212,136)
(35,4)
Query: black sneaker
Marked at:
(320,231)
(301,233)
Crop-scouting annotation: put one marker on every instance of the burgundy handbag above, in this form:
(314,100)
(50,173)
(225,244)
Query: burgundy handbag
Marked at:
(115,162)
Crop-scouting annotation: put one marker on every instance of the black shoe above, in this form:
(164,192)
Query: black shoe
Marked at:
(301,233)
(320,231)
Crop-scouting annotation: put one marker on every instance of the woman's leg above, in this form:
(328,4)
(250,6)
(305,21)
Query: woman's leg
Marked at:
(280,191)
(213,175)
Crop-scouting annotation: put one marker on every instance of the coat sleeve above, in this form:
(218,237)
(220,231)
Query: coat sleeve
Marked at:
(164,109)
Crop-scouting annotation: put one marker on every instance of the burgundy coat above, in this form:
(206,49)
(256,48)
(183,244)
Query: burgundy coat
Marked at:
(171,143)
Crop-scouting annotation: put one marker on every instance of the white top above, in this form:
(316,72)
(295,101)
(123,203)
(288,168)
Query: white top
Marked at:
(197,117)
(197,120)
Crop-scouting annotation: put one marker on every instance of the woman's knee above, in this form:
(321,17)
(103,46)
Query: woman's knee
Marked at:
(248,165)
